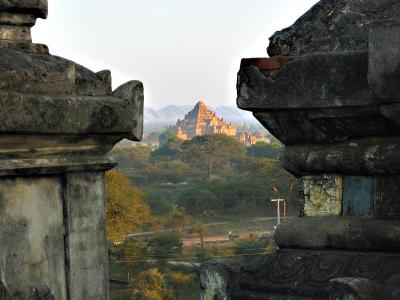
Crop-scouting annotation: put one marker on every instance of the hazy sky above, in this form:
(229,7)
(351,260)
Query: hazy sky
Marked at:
(182,50)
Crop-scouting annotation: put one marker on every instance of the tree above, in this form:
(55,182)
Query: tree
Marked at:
(167,136)
(131,251)
(211,149)
(266,150)
(172,170)
(126,210)
(133,161)
(198,201)
(171,149)
(151,285)
(165,246)
(179,219)
(201,231)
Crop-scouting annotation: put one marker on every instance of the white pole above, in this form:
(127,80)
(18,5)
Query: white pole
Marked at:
(278,211)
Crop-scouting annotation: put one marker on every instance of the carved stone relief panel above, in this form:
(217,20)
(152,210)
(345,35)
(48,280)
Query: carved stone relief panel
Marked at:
(321,195)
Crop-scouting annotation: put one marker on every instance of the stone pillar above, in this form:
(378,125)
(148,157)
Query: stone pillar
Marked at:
(330,92)
(58,121)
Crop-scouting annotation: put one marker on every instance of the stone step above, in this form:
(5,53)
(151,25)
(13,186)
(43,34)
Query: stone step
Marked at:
(248,295)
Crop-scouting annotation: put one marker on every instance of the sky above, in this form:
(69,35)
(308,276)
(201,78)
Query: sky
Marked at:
(182,50)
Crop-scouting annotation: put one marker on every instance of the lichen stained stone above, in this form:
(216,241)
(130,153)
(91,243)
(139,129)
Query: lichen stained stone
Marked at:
(322,195)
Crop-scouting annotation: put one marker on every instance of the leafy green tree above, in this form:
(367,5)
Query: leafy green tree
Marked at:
(170,150)
(211,149)
(179,218)
(126,210)
(131,251)
(173,170)
(199,201)
(165,246)
(167,136)
(132,158)
(266,150)
(201,231)
(159,203)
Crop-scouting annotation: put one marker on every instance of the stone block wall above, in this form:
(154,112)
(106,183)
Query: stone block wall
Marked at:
(58,121)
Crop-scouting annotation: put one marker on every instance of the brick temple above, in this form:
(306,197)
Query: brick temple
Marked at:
(201,121)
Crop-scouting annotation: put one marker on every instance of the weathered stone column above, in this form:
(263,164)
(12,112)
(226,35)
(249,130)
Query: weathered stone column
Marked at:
(330,92)
(58,120)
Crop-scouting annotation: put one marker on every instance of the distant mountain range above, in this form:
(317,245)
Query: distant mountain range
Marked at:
(168,115)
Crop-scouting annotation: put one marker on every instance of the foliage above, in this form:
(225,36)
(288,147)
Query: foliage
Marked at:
(211,149)
(250,246)
(151,285)
(126,210)
(210,176)
(165,246)
(133,159)
(167,136)
(130,252)
(199,201)
(158,202)
(266,150)
(201,255)
(177,278)
(179,219)
(172,148)
(201,231)
(174,171)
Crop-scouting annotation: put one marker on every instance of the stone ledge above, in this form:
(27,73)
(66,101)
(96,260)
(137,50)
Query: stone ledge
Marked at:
(27,72)
(39,146)
(25,47)
(273,63)
(41,166)
(37,7)
(309,81)
(332,125)
(368,157)
(39,114)
(15,33)
(249,295)
(342,233)
(7,18)
(298,273)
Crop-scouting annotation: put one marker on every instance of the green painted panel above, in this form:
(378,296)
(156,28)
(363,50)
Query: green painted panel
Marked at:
(357,196)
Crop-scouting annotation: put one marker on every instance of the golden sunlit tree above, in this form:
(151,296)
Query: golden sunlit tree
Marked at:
(151,285)
(126,210)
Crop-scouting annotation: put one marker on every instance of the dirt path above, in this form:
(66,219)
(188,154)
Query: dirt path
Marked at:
(141,234)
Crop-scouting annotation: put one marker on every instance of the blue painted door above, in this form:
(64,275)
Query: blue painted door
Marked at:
(357,196)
